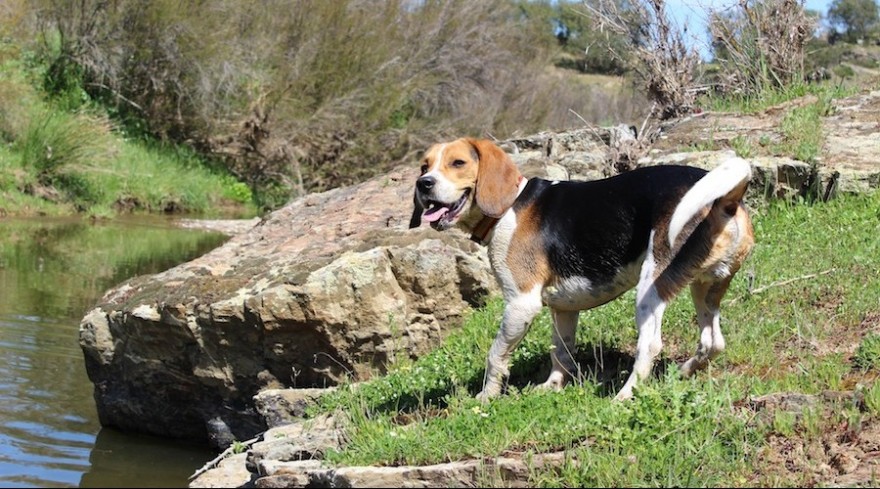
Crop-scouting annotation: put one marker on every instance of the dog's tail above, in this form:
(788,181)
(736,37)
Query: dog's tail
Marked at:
(725,186)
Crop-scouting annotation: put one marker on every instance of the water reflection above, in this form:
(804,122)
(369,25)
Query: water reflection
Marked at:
(141,461)
(51,273)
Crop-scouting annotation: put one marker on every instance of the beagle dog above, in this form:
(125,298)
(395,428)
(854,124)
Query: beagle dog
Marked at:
(577,245)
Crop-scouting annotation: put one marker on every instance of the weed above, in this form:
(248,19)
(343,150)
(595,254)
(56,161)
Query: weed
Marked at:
(238,447)
(742,146)
(868,354)
(784,423)
(54,140)
(872,398)
(813,422)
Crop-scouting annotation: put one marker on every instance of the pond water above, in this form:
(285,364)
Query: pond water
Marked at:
(52,271)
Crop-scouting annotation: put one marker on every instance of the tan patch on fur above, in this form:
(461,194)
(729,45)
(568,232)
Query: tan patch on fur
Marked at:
(526,257)
(725,240)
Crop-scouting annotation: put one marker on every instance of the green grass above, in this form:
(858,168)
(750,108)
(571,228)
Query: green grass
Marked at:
(868,354)
(743,147)
(772,97)
(59,159)
(785,333)
(800,126)
(802,130)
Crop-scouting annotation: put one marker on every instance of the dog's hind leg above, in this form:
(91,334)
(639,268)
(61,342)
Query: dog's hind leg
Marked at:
(651,302)
(564,365)
(707,301)
(518,315)
(649,314)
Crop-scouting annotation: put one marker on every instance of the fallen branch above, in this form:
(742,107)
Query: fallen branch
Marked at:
(786,282)
(229,450)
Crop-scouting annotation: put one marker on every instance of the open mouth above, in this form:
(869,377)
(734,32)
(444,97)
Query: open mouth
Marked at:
(441,215)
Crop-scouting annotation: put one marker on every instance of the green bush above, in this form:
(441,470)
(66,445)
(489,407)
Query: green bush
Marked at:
(54,140)
(844,71)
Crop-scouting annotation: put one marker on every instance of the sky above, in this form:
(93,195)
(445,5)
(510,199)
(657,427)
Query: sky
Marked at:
(694,14)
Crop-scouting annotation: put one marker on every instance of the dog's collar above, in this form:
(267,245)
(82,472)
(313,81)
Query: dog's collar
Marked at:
(483,228)
(487,224)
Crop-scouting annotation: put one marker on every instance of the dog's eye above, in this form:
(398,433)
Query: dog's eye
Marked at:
(424,168)
(458,163)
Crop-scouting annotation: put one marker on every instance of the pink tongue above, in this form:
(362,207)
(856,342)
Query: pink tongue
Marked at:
(435,214)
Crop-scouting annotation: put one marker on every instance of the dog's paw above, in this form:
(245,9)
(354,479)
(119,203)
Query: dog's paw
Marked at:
(553,384)
(623,395)
(489,391)
(688,368)
(484,397)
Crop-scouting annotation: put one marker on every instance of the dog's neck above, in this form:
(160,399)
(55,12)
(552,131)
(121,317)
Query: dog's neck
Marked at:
(481,233)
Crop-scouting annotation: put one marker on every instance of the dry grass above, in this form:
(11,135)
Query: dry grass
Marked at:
(656,53)
(760,45)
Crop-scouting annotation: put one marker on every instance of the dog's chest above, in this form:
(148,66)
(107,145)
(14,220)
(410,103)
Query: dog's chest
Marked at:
(577,293)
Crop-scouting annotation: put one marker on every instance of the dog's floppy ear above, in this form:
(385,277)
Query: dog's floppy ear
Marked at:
(497,178)
(416,219)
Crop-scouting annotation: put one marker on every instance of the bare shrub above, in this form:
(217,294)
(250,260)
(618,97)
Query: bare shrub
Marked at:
(760,45)
(656,52)
(302,95)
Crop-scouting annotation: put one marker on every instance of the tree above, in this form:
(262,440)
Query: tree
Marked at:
(854,17)
(571,26)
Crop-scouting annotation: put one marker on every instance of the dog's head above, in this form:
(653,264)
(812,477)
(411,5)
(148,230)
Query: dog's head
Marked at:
(463,180)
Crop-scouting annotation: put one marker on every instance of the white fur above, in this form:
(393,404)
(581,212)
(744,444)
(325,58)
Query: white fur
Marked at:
(499,243)
(580,293)
(709,318)
(564,365)
(649,315)
(444,190)
(519,312)
(717,183)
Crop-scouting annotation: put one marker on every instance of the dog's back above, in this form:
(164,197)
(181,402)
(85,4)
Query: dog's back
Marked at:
(593,229)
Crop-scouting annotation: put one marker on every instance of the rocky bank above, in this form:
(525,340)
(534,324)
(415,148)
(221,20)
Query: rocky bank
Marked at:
(334,286)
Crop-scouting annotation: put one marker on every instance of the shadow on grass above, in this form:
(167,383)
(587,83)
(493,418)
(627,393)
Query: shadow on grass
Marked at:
(605,368)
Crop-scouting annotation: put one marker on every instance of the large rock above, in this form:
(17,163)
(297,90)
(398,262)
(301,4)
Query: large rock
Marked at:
(331,287)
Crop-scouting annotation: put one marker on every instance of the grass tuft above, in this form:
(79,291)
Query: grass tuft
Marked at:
(868,354)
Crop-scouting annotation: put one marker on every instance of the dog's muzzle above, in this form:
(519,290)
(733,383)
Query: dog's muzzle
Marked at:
(441,215)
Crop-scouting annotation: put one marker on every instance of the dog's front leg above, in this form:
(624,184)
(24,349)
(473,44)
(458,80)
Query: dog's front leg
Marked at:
(564,365)
(518,315)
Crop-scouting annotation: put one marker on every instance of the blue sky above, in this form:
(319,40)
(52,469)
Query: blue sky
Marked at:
(694,13)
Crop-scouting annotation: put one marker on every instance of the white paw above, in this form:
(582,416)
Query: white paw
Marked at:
(691,367)
(484,397)
(554,383)
(623,395)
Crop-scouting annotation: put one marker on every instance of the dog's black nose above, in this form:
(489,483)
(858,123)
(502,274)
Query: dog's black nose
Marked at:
(425,184)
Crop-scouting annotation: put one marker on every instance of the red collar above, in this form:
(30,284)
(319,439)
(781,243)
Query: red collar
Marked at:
(483,228)
(487,224)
